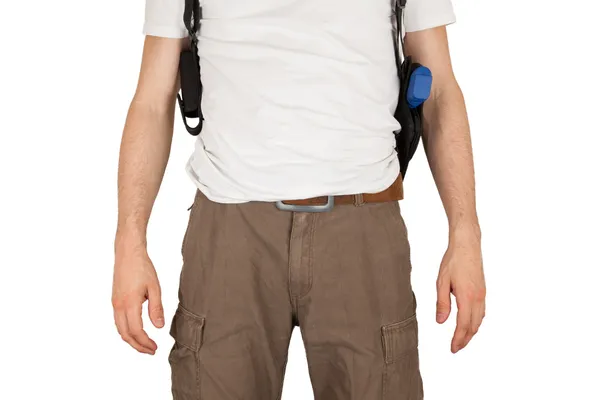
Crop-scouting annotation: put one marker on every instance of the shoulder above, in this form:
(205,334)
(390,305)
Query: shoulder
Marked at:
(164,18)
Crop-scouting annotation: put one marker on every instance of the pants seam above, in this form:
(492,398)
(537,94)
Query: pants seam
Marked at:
(197,359)
(310,256)
(384,379)
(282,377)
(290,263)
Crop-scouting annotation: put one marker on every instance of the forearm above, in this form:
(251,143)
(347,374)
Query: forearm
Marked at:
(145,149)
(447,143)
(146,142)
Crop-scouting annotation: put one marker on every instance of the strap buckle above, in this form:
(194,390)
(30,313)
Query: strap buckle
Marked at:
(303,208)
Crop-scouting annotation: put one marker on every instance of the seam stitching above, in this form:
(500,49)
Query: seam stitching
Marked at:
(311,234)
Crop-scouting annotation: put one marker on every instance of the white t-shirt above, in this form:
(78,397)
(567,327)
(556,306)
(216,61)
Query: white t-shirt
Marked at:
(299,95)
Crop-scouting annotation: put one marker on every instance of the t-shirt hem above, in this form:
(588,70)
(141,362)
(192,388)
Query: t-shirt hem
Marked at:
(163,31)
(212,196)
(433,22)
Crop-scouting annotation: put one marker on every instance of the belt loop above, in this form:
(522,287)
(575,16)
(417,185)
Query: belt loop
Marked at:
(358,200)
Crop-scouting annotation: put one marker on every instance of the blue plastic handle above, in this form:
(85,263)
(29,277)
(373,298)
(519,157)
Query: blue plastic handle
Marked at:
(419,87)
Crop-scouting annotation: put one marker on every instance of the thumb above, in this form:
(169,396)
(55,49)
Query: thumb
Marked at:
(155,307)
(443,301)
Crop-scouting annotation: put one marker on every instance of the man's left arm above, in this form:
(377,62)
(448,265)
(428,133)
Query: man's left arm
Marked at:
(447,143)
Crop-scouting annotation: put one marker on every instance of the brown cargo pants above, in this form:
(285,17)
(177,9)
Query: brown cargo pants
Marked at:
(252,272)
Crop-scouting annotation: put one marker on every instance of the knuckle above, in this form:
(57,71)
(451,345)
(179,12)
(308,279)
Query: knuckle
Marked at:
(135,345)
(479,294)
(158,309)
(117,304)
(132,301)
(127,299)
(473,295)
(137,333)
(464,327)
(463,297)
(465,300)
(469,295)
(154,288)
(462,302)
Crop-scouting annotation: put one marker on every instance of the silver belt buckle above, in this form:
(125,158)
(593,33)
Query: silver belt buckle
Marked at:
(318,208)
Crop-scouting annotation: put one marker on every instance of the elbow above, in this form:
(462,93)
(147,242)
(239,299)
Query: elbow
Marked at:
(446,89)
(155,104)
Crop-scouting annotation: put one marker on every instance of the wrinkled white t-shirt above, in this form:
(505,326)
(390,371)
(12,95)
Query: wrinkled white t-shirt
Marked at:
(299,95)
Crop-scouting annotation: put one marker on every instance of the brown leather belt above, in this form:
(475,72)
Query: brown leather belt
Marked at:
(394,192)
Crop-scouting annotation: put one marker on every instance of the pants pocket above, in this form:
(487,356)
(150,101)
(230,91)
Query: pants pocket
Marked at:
(401,376)
(187,330)
(192,211)
(396,216)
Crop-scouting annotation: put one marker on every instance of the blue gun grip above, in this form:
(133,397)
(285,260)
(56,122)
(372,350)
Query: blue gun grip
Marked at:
(419,87)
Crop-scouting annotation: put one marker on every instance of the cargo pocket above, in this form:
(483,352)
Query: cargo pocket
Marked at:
(401,376)
(187,329)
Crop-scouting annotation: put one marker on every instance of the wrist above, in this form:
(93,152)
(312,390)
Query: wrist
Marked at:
(465,231)
(130,241)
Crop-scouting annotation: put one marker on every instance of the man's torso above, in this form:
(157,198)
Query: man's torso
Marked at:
(298,99)
(299,95)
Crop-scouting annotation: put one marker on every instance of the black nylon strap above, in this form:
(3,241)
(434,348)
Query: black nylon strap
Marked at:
(191,18)
(189,70)
(398,9)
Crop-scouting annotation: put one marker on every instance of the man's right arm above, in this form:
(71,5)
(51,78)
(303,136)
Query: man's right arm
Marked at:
(143,158)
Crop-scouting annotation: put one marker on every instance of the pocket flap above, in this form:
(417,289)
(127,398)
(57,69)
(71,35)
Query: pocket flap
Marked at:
(187,328)
(399,338)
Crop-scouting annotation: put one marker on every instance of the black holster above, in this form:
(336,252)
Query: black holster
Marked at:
(410,119)
(191,90)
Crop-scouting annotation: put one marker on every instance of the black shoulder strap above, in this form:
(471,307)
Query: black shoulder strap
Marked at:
(189,70)
(192,15)
(398,11)
(410,119)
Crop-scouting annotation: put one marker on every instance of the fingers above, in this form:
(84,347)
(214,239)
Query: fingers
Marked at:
(477,317)
(443,300)
(462,334)
(155,308)
(463,326)
(128,318)
(471,311)
(136,329)
(122,327)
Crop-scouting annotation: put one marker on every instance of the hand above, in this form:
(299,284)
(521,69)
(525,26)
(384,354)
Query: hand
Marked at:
(461,274)
(135,281)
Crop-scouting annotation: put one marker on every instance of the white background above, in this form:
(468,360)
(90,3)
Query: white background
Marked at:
(529,71)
